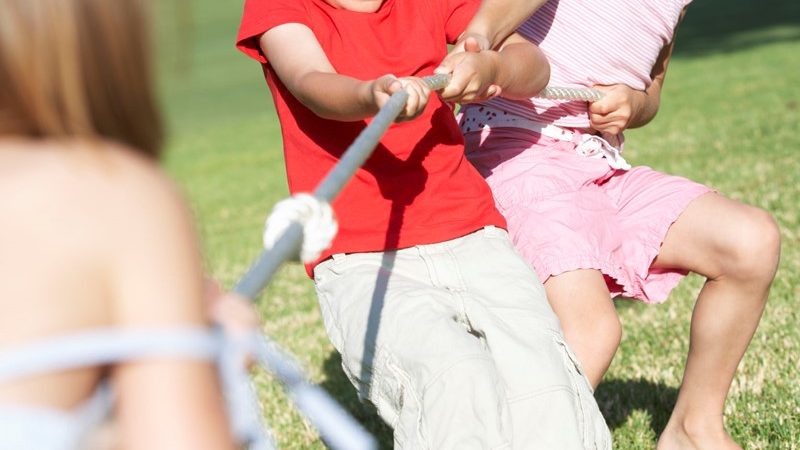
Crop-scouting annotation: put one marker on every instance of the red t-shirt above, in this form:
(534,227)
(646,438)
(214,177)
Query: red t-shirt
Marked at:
(417,187)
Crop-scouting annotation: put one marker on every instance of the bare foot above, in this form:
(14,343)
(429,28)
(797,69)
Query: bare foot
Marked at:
(677,437)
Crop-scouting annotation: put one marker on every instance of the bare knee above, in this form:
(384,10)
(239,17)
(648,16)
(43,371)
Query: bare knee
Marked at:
(614,327)
(601,327)
(753,253)
(595,341)
(605,330)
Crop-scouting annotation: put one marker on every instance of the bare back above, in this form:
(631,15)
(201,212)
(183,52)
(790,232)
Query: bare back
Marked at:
(52,259)
(93,235)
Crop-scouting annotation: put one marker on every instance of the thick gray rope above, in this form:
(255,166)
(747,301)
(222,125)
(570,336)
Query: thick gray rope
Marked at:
(566,93)
(335,425)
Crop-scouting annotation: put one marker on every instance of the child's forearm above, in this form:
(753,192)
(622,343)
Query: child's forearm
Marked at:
(522,70)
(334,96)
(497,19)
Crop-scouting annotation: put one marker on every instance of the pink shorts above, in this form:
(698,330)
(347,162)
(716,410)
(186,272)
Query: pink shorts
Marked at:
(567,212)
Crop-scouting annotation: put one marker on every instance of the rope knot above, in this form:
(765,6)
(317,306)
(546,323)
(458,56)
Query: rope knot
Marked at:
(316,217)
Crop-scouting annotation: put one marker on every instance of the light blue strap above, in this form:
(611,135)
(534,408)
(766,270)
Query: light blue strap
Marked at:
(110,345)
(107,346)
(244,411)
(335,425)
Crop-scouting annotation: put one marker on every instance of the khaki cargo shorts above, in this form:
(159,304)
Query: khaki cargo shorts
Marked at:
(456,346)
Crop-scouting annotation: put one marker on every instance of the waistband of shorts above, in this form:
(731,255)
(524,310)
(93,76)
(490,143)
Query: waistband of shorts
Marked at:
(587,143)
(486,231)
(477,118)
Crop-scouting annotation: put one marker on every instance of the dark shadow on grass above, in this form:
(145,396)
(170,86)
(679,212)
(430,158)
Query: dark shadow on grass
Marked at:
(337,384)
(619,398)
(721,26)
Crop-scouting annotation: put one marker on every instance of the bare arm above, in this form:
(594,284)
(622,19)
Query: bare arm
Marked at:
(522,68)
(156,280)
(489,29)
(622,107)
(308,74)
(497,19)
(517,70)
(653,93)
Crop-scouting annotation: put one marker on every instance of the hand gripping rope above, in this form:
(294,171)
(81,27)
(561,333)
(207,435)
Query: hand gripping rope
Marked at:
(307,216)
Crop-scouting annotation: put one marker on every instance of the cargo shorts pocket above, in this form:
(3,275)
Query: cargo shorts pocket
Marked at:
(392,393)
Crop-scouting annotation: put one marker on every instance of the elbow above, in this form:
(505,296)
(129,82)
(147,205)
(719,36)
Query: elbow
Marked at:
(301,89)
(327,97)
(333,114)
(530,83)
(542,78)
(647,112)
(530,86)
(320,111)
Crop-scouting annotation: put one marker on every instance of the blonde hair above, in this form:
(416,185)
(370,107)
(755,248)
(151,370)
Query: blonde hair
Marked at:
(78,69)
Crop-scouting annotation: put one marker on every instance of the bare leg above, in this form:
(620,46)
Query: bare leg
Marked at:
(583,304)
(737,248)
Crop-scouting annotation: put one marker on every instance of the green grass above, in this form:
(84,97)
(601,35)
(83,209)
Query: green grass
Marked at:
(730,118)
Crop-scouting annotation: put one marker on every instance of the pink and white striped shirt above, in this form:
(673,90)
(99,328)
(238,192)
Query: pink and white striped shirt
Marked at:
(592,42)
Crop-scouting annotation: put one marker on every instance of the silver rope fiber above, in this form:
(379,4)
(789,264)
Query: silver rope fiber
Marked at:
(566,93)
(336,427)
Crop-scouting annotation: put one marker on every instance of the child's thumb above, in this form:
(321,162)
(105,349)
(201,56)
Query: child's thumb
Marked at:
(446,66)
(389,84)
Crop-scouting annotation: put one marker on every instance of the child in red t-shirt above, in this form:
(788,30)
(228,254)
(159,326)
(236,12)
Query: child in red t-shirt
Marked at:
(439,322)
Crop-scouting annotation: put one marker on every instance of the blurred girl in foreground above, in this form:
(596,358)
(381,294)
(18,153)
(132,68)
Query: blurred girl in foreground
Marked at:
(99,260)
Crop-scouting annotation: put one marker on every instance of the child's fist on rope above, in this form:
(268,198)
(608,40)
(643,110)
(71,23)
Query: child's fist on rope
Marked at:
(472,70)
(479,74)
(418,93)
(619,109)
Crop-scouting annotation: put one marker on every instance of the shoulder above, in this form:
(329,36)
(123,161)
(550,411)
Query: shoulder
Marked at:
(136,186)
(145,237)
(99,222)
(80,173)
(68,168)
(97,191)
(260,16)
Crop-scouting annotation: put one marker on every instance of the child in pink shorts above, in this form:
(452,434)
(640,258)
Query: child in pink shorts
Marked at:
(595,228)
